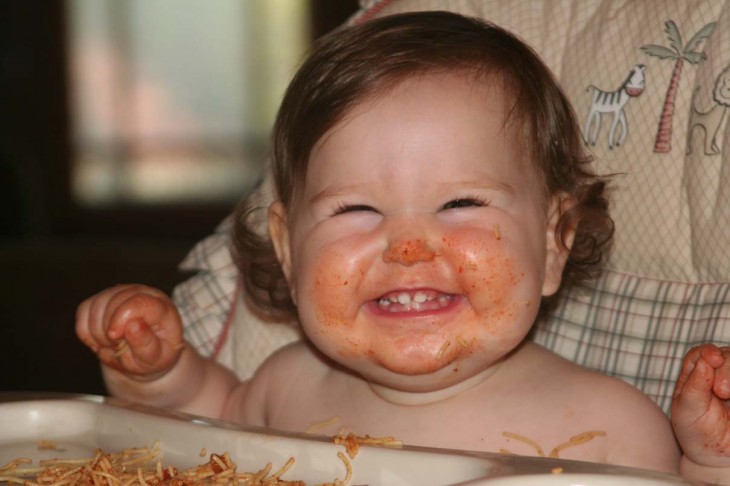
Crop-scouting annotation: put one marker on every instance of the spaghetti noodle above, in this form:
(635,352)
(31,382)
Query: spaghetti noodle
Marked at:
(138,466)
(142,467)
(353,442)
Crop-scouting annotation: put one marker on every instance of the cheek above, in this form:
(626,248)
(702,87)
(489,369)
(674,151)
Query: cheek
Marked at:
(334,280)
(488,276)
(482,264)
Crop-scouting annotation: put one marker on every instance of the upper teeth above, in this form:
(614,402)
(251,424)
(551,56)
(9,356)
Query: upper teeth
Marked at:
(415,300)
(406,298)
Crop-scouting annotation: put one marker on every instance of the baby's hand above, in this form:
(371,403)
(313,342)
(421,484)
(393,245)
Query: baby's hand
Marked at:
(132,328)
(701,405)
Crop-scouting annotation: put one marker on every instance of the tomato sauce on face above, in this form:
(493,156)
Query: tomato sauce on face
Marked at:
(486,274)
(327,292)
(470,263)
(409,252)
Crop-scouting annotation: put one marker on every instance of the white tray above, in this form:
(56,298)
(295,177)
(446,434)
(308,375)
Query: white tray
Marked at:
(81,424)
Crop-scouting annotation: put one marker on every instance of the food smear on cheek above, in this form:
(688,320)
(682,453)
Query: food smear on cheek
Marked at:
(487,276)
(331,291)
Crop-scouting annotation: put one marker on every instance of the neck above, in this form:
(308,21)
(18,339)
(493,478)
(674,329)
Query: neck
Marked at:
(402,397)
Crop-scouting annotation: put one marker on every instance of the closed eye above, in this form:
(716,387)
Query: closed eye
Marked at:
(466,202)
(351,208)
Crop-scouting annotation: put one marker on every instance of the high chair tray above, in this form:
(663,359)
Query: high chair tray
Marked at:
(72,427)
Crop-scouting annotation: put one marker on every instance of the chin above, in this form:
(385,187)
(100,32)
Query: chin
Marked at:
(417,379)
(425,369)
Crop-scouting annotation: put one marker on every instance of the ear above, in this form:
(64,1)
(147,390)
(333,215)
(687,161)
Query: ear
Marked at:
(557,253)
(279,233)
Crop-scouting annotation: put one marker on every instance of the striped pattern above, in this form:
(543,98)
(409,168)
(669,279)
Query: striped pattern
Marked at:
(637,328)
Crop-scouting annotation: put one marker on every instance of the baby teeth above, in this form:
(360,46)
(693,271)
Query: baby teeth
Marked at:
(404,301)
(405,298)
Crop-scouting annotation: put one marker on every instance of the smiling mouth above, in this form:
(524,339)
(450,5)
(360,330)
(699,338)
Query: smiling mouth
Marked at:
(414,301)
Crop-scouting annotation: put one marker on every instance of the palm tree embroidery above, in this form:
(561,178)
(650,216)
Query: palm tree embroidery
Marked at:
(678,53)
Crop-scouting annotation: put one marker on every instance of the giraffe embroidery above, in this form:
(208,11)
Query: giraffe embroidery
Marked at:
(708,122)
(613,103)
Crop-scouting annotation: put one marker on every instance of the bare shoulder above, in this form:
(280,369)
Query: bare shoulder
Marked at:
(638,432)
(556,371)
(596,394)
(287,365)
(280,375)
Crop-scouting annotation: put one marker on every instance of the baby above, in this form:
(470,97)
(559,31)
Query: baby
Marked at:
(432,194)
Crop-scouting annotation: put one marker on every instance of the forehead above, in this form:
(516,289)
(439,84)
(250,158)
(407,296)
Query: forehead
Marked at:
(429,88)
(468,97)
(439,121)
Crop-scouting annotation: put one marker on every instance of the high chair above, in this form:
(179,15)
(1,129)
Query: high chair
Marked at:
(649,82)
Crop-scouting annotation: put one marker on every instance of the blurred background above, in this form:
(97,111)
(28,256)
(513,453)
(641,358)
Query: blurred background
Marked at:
(129,130)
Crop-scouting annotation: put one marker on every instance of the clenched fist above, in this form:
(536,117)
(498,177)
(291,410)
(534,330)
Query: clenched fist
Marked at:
(132,328)
(701,406)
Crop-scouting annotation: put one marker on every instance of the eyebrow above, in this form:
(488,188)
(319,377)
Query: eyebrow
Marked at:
(334,191)
(490,185)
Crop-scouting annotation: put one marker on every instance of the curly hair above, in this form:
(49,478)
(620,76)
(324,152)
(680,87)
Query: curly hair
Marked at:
(356,63)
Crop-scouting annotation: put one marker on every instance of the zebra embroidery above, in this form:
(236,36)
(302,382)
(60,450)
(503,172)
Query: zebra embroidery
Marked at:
(613,102)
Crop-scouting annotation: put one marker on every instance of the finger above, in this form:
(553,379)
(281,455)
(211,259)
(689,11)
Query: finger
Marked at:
(127,304)
(696,394)
(147,329)
(143,344)
(100,307)
(722,375)
(90,324)
(82,325)
(136,306)
(712,354)
(688,364)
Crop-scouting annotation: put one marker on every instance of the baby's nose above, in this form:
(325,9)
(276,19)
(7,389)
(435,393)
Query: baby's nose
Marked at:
(409,251)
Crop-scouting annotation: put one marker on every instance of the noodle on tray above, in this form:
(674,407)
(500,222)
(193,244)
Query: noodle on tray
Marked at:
(142,466)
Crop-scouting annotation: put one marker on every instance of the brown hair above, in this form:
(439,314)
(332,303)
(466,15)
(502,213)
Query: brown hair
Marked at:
(353,63)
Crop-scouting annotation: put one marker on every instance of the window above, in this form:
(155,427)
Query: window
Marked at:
(171,101)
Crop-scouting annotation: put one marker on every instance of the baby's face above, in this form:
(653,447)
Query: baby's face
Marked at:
(417,253)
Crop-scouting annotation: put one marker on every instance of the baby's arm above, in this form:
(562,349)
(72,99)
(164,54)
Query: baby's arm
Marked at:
(137,334)
(701,414)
